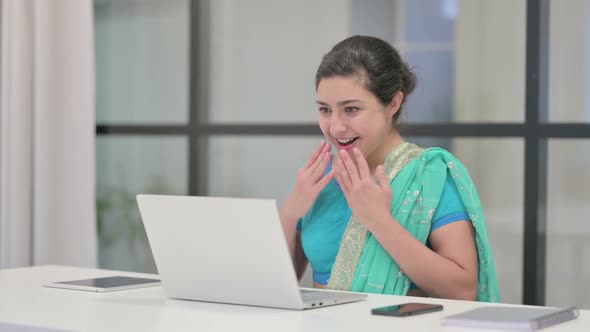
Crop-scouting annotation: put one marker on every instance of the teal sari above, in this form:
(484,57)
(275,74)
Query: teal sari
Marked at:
(417,177)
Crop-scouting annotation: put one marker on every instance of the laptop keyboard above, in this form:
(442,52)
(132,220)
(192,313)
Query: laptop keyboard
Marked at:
(310,296)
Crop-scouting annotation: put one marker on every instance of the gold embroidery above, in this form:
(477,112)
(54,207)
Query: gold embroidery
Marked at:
(355,235)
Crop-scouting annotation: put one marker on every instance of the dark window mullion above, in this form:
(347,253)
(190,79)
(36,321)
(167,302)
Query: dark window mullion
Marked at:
(199,96)
(535,180)
(102,129)
(543,130)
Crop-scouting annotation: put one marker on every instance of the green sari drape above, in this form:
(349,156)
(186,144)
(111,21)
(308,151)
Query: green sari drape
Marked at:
(417,177)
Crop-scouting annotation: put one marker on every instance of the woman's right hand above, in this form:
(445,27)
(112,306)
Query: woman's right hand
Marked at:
(309,183)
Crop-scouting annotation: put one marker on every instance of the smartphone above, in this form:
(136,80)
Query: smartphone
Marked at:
(407,309)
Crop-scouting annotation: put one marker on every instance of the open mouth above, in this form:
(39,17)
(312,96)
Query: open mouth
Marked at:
(346,141)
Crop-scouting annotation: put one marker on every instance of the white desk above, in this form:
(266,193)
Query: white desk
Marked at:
(23,301)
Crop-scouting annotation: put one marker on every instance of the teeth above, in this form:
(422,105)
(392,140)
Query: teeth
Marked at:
(345,140)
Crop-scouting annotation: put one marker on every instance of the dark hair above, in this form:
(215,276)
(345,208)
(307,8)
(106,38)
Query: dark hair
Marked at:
(375,62)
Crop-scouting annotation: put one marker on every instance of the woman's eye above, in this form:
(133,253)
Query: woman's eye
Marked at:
(324,110)
(351,109)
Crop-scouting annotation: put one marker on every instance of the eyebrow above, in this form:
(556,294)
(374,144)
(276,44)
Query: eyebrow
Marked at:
(340,103)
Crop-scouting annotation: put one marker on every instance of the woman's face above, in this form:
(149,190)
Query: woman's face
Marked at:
(351,116)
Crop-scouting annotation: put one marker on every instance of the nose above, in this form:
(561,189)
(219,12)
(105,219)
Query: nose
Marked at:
(338,125)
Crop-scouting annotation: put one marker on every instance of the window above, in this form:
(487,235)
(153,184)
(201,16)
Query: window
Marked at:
(210,87)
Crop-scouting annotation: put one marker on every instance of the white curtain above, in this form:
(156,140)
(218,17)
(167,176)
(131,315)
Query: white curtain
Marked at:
(47,134)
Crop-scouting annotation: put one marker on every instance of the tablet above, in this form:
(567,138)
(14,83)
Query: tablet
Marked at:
(106,284)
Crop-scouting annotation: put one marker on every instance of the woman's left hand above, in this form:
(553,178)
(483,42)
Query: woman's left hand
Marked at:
(369,202)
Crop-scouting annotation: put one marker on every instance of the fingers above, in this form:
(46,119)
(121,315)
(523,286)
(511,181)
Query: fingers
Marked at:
(343,186)
(314,164)
(342,177)
(315,155)
(363,167)
(321,167)
(350,167)
(325,180)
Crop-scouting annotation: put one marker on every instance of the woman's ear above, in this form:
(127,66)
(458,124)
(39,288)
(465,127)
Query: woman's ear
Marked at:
(395,104)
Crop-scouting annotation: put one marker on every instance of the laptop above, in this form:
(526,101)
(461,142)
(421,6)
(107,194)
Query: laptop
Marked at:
(227,250)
